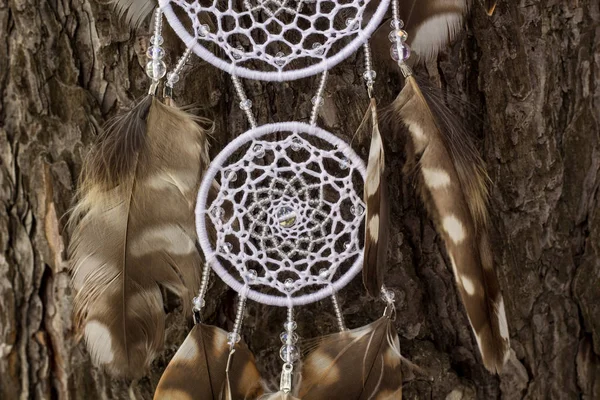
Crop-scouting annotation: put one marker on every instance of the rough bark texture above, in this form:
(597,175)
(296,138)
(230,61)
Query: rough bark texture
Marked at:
(530,74)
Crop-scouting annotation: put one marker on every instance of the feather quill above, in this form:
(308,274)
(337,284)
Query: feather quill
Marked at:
(452,184)
(133,233)
(198,369)
(359,364)
(376,199)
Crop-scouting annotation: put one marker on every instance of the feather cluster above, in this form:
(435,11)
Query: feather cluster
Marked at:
(453,185)
(133,233)
(204,368)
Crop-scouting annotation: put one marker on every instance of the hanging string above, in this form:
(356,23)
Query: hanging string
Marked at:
(156,67)
(338,312)
(318,99)
(369,75)
(245,102)
(173,76)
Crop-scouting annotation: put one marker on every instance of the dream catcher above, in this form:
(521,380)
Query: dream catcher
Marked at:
(286,215)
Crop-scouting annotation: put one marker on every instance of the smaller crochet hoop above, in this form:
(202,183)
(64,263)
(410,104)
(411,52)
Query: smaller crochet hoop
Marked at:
(287,216)
(274,40)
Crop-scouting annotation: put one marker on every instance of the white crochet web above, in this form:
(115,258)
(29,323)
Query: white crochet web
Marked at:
(288,216)
(274,40)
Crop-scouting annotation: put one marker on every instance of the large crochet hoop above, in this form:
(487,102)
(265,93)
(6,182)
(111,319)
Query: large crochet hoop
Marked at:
(287,214)
(274,40)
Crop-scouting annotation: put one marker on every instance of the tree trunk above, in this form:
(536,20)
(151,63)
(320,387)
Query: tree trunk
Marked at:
(530,75)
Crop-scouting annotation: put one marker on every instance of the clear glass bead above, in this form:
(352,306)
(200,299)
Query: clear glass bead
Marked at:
(203,30)
(231,176)
(251,275)
(344,163)
(290,326)
(397,23)
(259,150)
(245,105)
(388,295)
(357,210)
(318,48)
(227,247)
(347,245)
(233,338)
(217,212)
(286,217)
(198,303)
(156,69)
(323,273)
(296,144)
(155,53)
(237,53)
(285,335)
(289,353)
(317,100)
(399,53)
(352,23)
(156,40)
(279,59)
(399,34)
(288,284)
(369,75)
(172,77)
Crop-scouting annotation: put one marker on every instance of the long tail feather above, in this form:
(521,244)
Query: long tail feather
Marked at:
(453,188)
(278,396)
(377,226)
(198,369)
(134,233)
(360,364)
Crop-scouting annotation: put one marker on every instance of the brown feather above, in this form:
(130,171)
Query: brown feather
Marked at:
(377,224)
(134,234)
(134,12)
(455,194)
(278,396)
(363,363)
(197,371)
(490,7)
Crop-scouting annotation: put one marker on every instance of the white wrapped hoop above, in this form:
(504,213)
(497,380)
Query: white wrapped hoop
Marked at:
(287,215)
(274,40)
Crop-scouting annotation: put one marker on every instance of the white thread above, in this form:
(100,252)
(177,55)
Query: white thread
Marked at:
(284,226)
(263,28)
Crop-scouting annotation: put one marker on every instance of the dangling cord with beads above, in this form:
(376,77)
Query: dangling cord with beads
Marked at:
(173,76)
(234,336)
(399,51)
(338,312)
(245,102)
(289,352)
(156,67)
(318,100)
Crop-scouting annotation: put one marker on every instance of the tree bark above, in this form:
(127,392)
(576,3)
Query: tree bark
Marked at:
(526,80)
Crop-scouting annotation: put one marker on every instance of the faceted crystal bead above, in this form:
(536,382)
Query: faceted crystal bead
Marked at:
(388,296)
(279,59)
(369,75)
(285,335)
(289,353)
(155,53)
(156,40)
(290,326)
(217,212)
(399,34)
(323,273)
(288,284)
(344,163)
(352,23)
(237,53)
(296,144)
(397,23)
(156,69)
(318,48)
(357,210)
(227,247)
(317,100)
(259,150)
(251,275)
(203,30)
(233,338)
(231,176)
(198,303)
(399,53)
(245,105)
(172,77)
(286,217)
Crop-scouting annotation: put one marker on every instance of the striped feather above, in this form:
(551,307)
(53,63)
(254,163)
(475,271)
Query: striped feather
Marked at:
(133,233)
(198,369)
(453,188)
(377,224)
(359,364)
(134,12)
